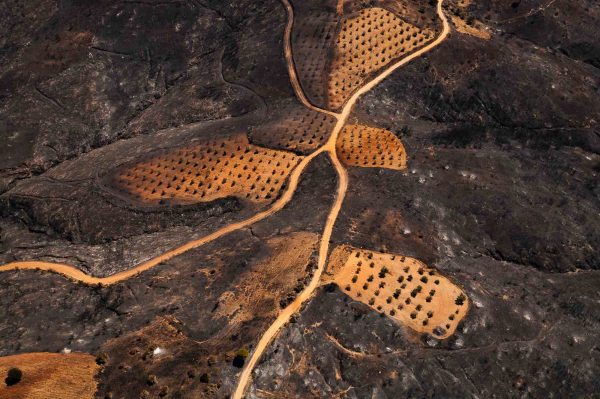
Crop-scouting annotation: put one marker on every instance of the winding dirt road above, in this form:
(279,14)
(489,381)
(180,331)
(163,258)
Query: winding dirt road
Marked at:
(292,308)
(329,147)
(77,275)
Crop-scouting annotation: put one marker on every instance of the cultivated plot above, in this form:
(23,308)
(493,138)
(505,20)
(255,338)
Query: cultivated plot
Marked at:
(208,171)
(402,288)
(370,147)
(366,43)
(50,376)
(294,128)
(313,40)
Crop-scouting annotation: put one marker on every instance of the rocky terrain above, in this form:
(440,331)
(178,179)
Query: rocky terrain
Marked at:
(499,193)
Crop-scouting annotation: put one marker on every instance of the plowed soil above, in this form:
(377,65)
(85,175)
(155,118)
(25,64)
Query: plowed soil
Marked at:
(313,41)
(294,128)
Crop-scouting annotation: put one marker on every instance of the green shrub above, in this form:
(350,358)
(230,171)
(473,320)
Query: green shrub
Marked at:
(243,353)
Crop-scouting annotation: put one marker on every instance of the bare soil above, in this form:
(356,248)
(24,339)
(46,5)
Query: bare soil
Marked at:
(50,376)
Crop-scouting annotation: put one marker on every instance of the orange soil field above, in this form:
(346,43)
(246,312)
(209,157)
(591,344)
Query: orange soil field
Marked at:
(403,288)
(366,43)
(313,40)
(50,376)
(212,170)
(299,129)
(370,147)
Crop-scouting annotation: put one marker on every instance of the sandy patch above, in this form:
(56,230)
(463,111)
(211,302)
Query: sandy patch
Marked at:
(476,29)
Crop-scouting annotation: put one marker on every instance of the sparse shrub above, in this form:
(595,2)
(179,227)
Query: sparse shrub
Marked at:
(460,300)
(101,359)
(164,391)
(240,357)
(204,378)
(151,380)
(13,376)
(243,352)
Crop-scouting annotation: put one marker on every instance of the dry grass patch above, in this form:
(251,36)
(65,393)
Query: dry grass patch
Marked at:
(50,376)
(474,28)
(365,146)
(270,279)
(402,288)
(367,43)
(212,170)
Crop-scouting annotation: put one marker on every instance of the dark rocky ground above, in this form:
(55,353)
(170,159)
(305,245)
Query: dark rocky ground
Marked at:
(501,195)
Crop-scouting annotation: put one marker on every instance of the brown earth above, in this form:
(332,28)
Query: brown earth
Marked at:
(209,171)
(370,147)
(366,43)
(50,376)
(293,127)
(402,288)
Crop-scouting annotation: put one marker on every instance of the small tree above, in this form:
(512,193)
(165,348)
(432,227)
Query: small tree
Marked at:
(384,270)
(13,376)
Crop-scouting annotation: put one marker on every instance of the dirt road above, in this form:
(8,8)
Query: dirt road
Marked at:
(285,315)
(77,275)
(329,147)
